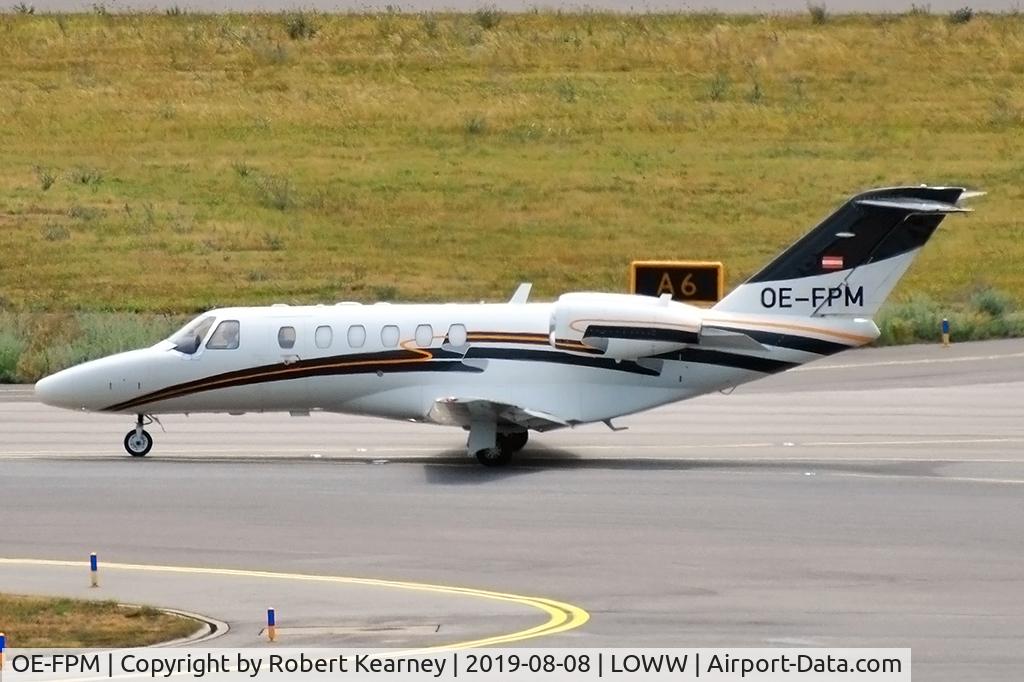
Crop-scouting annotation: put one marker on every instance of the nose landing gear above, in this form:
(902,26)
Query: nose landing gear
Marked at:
(138,442)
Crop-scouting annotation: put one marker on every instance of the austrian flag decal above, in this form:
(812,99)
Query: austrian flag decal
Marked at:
(831,262)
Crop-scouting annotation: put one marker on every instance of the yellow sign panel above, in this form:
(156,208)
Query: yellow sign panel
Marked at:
(686,281)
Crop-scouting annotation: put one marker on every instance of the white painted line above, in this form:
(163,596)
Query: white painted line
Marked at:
(951,479)
(921,361)
(924,441)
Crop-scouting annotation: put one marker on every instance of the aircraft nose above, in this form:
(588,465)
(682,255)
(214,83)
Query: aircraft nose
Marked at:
(58,390)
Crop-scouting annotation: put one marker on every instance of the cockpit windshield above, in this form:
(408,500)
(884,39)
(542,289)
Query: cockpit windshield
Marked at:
(191,336)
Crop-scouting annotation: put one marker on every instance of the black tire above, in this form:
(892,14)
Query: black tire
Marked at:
(493,457)
(138,447)
(513,441)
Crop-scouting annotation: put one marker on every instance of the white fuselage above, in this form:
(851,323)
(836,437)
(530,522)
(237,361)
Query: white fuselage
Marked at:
(351,358)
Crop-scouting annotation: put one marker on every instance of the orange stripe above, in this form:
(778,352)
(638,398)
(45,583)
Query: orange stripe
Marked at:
(167,394)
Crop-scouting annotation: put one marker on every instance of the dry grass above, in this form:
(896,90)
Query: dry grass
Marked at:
(198,160)
(35,622)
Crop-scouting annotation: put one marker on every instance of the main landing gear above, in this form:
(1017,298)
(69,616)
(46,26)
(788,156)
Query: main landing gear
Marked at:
(505,445)
(138,442)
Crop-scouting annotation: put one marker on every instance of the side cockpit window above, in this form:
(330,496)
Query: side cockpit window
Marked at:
(191,336)
(225,336)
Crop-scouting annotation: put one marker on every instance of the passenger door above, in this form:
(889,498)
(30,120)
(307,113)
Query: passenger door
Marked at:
(290,343)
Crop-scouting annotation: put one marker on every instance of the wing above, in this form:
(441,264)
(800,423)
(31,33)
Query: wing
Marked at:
(464,411)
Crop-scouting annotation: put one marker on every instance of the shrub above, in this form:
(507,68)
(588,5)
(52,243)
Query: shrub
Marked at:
(385,292)
(475,125)
(566,90)
(273,242)
(908,322)
(242,169)
(819,13)
(756,94)
(300,25)
(718,88)
(11,348)
(22,8)
(961,16)
(488,17)
(54,233)
(989,314)
(84,175)
(82,213)
(276,191)
(431,27)
(992,302)
(46,178)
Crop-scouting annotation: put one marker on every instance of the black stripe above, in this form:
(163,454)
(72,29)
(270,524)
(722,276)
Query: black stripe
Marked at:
(734,360)
(699,355)
(560,358)
(330,367)
(789,341)
(603,331)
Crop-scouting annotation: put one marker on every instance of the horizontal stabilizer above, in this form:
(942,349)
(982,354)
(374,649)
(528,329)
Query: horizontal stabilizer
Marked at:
(710,337)
(914,205)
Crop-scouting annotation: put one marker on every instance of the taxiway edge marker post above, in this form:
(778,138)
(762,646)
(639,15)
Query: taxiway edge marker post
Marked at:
(945,332)
(271,625)
(94,570)
(3,645)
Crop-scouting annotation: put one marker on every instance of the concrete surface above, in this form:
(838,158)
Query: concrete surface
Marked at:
(872,499)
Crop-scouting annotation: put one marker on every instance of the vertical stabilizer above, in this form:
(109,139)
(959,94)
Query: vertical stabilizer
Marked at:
(848,264)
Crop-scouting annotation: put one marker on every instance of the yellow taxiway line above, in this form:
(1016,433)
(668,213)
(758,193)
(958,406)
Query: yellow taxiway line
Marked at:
(561,616)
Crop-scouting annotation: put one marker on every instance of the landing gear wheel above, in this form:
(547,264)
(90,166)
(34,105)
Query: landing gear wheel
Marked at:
(494,457)
(513,441)
(138,443)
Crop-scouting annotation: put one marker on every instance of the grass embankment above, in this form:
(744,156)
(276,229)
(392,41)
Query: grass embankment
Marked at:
(172,163)
(57,622)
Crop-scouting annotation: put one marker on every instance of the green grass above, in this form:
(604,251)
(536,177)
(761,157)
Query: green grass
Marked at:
(33,345)
(163,164)
(169,163)
(45,622)
(988,314)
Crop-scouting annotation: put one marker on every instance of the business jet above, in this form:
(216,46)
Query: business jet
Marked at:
(502,370)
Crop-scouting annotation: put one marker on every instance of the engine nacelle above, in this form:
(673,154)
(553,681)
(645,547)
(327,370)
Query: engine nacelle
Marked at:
(622,326)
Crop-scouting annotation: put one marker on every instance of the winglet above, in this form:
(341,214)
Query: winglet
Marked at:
(522,293)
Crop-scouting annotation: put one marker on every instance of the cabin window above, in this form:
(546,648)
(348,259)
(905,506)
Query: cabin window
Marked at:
(286,337)
(324,337)
(457,335)
(189,339)
(424,335)
(225,336)
(356,336)
(389,335)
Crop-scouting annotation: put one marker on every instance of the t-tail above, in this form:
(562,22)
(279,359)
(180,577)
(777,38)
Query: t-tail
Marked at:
(847,265)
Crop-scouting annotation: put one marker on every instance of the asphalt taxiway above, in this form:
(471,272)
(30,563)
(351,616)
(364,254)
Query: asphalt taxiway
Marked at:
(871,499)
